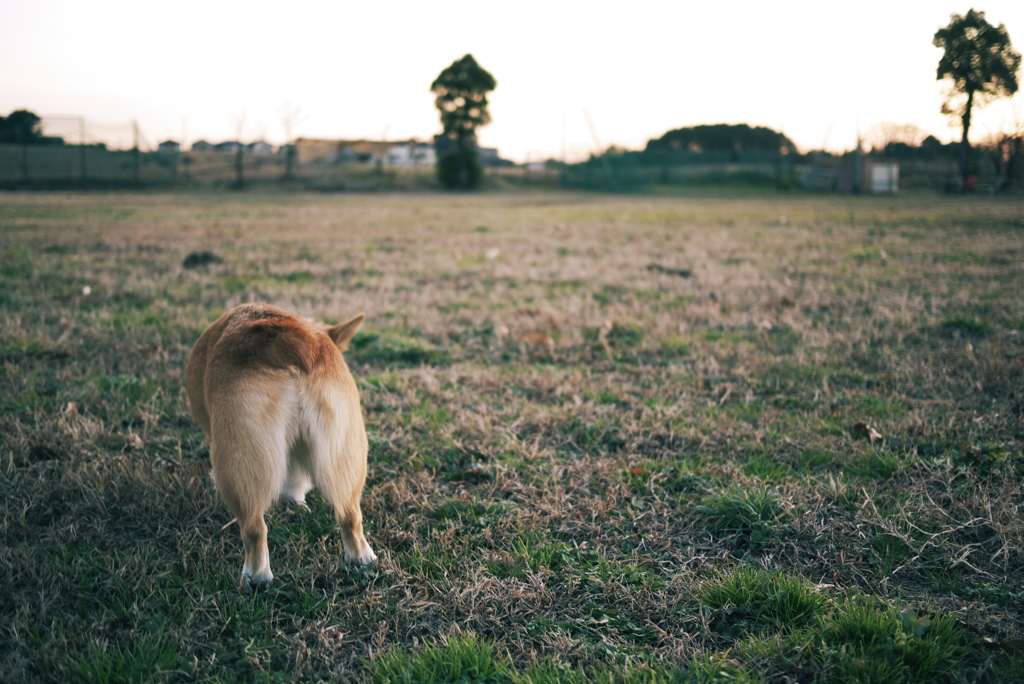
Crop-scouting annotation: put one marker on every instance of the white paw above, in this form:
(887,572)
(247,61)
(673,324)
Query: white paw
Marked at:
(251,580)
(364,557)
(299,501)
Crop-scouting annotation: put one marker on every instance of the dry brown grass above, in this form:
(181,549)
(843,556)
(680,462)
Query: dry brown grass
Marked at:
(563,501)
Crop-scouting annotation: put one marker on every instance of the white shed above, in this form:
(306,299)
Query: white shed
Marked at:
(885,178)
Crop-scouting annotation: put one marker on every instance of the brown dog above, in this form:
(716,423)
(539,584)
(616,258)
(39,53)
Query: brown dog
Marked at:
(281,411)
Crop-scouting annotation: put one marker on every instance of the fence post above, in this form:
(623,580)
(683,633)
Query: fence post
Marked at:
(289,161)
(239,180)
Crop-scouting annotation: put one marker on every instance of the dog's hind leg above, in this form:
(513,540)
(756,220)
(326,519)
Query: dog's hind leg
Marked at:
(250,467)
(350,520)
(249,513)
(256,570)
(343,493)
(340,471)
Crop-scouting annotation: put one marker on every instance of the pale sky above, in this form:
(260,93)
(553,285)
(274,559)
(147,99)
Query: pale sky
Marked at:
(208,69)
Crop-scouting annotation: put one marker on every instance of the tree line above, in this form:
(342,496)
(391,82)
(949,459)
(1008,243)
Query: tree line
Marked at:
(22,127)
(978,63)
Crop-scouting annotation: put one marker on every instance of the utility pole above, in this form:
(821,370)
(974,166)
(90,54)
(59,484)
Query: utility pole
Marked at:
(239,170)
(136,156)
(605,164)
(291,118)
(81,148)
(561,169)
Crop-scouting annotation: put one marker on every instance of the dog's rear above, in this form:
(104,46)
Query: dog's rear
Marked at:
(281,411)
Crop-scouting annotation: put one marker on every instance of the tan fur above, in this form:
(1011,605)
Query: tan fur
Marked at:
(276,400)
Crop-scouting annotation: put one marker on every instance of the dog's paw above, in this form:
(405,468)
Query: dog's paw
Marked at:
(256,582)
(297,503)
(256,585)
(364,557)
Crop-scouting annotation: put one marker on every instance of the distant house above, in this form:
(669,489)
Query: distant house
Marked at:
(364,150)
(885,177)
(488,155)
(423,154)
(169,146)
(412,154)
(309,150)
(228,146)
(398,153)
(259,147)
(856,174)
(201,146)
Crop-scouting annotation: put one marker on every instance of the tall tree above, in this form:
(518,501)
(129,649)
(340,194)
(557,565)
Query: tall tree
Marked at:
(981,65)
(21,126)
(461,98)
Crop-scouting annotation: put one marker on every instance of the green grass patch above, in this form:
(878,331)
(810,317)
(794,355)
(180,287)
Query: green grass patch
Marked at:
(139,660)
(874,464)
(534,552)
(22,346)
(753,595)
(730,336)
(966,325)
(889,553)
(880,407)
(787,377)
(603,435)
(780,618)
(470,515)
(468,659)
(675,347)
(610,294)
(394,349)
(625,335)
(865,640)
(766,470)
(296,277)
(234,284)
(460,658)
(745,517)
(867,254)
(134,320)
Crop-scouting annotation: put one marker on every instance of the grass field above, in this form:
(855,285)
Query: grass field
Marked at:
(770,440)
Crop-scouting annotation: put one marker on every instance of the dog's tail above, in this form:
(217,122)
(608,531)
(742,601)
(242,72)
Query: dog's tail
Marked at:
(277,343)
